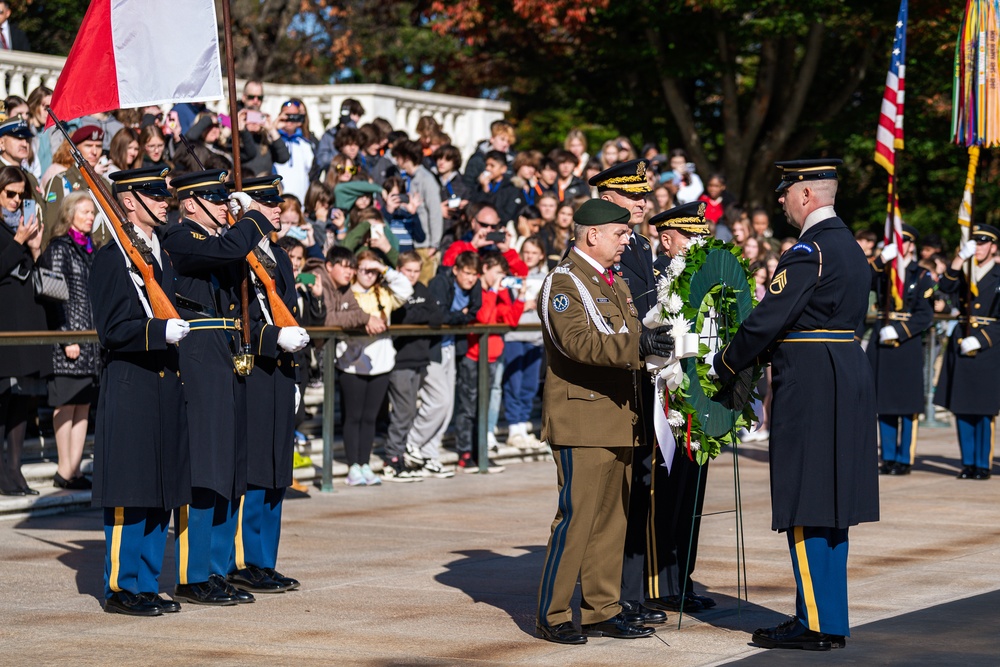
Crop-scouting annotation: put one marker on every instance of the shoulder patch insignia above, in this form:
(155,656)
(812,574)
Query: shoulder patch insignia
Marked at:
(560,302)
(928,293)
(779,281)
(51,197)
(199,237)
(802,246)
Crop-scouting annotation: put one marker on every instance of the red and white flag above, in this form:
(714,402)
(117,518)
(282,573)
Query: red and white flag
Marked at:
(135,53)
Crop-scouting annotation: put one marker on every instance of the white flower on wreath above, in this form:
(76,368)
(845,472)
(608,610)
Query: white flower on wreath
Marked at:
(676,267)
(675,418)
(678,326)
(696,241)
(695,445)
(673,303)
(664,288)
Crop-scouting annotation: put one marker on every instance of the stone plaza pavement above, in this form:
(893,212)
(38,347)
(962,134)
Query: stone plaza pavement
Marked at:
(445,572)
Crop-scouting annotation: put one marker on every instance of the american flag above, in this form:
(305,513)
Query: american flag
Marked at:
(889,136)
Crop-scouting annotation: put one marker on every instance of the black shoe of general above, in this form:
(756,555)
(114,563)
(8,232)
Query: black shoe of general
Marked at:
(981,473)
(292,584)
(127,603)
(564,633)
(242,597)
(252,578)
(640,615)
(705,601)
(673,603)
(792,634)
(618,627)
(206,592)
(166,606)
(968,472)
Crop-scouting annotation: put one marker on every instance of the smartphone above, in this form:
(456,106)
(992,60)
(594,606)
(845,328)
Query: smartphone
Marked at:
(404,198)
(306,279)
(255,117)
(28,207)
(497,237)
(377,230)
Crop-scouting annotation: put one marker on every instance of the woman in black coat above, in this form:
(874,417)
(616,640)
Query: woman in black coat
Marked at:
(76,367)
(23,367)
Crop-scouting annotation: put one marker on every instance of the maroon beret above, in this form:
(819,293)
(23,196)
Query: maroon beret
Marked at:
(88,133)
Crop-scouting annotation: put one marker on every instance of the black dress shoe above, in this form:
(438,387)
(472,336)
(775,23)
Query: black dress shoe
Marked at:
(28,491)
(641,615)
(673,603)
(968,472)
(12,492)
(280,578)
(130,604)
(793,635)
(167,606)
(242,597)
(205,592)
(886,468)
(564,633)
(618,627)
(705,601)
(252,578)
(981,473)
(900,469)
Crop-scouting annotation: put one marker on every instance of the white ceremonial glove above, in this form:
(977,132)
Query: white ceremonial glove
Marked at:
(970,345)
(239,203)
(886,334)
(967,250)
(889,253)
(292,339)
(710,360)
(298,398)
(176,330)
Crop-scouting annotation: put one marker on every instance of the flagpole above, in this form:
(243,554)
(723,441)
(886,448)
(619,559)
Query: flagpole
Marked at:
(890,224)
(237,162)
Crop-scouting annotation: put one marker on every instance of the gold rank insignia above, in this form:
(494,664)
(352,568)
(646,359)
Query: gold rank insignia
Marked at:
(928,293)
(778,283)
(198,237)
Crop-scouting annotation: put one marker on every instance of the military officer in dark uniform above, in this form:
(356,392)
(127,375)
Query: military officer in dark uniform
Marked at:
(15,146)
(275,395)
(677,497)
(969,385)
(590,419)
(141,465)
(896,352)
(207,256)
(626,185)
(823,452)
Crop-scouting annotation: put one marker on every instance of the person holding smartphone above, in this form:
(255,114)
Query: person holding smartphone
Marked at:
(261,146)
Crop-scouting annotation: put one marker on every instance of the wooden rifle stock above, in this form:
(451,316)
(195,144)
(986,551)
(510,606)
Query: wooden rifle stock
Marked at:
(279,311)
(159,302)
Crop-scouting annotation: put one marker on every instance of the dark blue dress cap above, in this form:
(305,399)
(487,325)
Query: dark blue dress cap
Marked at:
(987,233)
(600,212)
(265,189)
(909,233)
(688,218)
(625,177)
(150,181)
(796,171)
(15,127)
(209,185)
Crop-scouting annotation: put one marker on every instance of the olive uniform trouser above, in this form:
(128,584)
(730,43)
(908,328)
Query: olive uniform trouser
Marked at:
(587,534)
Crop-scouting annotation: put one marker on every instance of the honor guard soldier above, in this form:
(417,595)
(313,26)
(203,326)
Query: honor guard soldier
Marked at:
(208,257)
(969,385)
(677,497)
(590,418)
(141,465)
(823,452)
(274,395)
(626,185)
(896,353)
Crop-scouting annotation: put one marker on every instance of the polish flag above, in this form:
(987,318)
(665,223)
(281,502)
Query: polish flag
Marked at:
(136,53)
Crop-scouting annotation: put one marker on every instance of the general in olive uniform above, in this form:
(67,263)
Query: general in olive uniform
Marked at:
(969,384)
(208,257)
(590,419)
(141,465)
(273,393)
(895,350)
(823,452)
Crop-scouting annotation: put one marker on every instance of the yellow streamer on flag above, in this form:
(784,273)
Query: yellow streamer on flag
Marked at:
(965,209)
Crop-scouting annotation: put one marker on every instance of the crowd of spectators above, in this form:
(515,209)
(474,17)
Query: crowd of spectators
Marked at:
(383,228)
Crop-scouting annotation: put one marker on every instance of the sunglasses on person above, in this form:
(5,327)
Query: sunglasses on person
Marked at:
(259,98)
(370,272)
(487,225)
(344,168)
(12,193)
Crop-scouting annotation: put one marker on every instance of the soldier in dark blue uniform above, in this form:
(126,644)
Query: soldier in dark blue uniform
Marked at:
(141,465)
(896,352)
(677,497)
(625,184)
(208,257)
(969,385)
(823,452)
(274,394)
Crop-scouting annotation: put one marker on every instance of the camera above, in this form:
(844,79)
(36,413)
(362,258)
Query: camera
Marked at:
(454,201)
(255,117)
(404,198)
(295,117)
(496,237)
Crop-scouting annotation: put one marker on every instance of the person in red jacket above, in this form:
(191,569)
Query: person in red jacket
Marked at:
(500,306)
(484,221)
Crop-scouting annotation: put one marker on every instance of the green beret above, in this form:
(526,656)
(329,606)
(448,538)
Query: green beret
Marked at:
(600,212)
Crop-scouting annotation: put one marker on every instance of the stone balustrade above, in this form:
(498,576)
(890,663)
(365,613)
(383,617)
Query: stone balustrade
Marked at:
(466,120)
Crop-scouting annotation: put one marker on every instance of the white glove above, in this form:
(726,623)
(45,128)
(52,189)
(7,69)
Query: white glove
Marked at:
(710,360)
(887,334)
(176,330)
(970,345)
(298,398)
(967,250)
(889,252)
(292,339)
(239,203)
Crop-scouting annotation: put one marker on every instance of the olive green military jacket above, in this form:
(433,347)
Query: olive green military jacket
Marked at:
(591,333)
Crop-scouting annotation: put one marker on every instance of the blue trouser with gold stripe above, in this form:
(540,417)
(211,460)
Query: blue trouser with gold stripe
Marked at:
(259,528)
(205,531)
(975,439)
(819,560)
(135,539)
(898,434)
